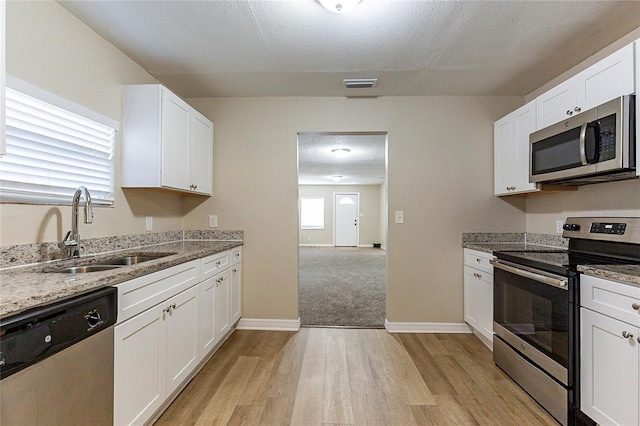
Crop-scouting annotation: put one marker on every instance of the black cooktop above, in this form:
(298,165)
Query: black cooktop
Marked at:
(561,261)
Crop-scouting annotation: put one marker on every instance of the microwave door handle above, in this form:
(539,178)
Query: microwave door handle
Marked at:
(583,139)
(595,125)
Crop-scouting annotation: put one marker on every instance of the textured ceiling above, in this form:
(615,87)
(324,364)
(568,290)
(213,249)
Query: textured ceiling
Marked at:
(363,165)
(297,48)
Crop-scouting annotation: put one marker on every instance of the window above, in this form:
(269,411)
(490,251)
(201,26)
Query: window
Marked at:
(312,213)
(52,150)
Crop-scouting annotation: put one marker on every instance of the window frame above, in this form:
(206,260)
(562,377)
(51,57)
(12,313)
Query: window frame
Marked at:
(302,213)
(33,193)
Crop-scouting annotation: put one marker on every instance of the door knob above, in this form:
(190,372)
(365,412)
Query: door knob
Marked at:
(635,306)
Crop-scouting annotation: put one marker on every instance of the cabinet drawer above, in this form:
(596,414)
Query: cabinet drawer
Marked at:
(236,255)
(213,264)
(142,293)
(617,300)
(478,260)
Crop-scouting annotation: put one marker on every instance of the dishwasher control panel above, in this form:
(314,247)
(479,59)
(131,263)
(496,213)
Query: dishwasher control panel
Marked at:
(31,336)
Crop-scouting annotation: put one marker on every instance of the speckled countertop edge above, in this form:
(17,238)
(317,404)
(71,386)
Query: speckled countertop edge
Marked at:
(490,242)
(31,286)
(628,274)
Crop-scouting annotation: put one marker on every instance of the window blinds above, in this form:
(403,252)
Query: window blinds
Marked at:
(51,151)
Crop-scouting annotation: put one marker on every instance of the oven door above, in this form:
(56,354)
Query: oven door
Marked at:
(532,314)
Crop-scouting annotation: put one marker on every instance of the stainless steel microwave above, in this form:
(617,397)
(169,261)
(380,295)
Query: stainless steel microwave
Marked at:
(596,145)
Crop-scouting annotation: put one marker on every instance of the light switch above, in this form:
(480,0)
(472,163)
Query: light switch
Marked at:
(213,221)
(559,224)
(149,223)
(399,216)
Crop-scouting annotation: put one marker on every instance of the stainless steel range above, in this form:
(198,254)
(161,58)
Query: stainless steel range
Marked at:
(537,311)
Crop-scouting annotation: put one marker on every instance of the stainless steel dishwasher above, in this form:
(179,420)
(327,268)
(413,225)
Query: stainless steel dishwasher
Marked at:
(56,362)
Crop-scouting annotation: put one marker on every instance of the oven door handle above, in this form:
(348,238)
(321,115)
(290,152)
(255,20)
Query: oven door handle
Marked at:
(537,276)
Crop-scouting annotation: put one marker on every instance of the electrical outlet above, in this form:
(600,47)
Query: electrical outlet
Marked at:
(559,224)
(149,223)
(399,216)
(213,221)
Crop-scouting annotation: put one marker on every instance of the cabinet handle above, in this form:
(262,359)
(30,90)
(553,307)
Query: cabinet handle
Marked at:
(577,109)
(195,186)
(569,112)
(627,335)
(635,306)
(218,263)
(478,259)
(234,270)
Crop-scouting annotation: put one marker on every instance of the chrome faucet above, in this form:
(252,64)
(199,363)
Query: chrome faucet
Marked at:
(71,241)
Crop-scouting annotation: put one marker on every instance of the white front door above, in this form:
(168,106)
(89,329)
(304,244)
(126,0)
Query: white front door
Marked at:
(346,219)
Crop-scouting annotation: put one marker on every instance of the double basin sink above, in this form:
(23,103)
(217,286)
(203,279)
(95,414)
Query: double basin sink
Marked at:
(114,263)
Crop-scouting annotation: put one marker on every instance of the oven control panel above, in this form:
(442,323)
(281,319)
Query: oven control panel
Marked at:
(618,229)
(608,228)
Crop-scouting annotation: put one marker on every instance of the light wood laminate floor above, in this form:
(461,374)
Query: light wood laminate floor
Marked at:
(321,376)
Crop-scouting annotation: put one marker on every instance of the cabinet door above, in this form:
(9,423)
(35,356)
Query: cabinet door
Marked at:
(608,369)
(207,329)
(472,297)
(486,303)
(525,124)
(236,292)
(222,319)
(139,367)
(556,104)
(182,336)
(200,153)
(504,149)
(607,79)
(175,146)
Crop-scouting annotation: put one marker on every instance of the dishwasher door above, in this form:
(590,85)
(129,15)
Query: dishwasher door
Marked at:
(56,362)
(71,387)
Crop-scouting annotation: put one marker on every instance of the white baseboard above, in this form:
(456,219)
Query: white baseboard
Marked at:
(365,245)
(315,245)
(268,324)
(426,327)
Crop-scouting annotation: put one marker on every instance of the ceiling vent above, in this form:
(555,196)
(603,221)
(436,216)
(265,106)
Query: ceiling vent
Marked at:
(360,83)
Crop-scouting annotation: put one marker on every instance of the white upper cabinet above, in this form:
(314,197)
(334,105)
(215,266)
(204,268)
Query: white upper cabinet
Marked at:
(511,151)
(605,80)
(166,143)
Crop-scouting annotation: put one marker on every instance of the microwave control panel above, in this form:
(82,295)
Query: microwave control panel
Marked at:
(608,228)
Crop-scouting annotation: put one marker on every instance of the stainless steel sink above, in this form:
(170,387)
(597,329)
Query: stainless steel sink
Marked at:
(131,260)
(85,269)
(114,263)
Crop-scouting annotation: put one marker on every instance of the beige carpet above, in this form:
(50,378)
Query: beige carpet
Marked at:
(342,287)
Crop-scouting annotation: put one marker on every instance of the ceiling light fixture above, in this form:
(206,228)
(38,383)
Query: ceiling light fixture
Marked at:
(336,178)
(339,6)
(341,152)
(360,83)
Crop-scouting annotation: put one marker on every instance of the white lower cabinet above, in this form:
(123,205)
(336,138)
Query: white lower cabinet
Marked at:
(183,325)
(214,311)
(609,351)
(169,321)
(236,292)
(140,367)
(478,293)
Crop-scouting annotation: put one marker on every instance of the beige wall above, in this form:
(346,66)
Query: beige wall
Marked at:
(440,172)
(603,199)
(369,213)
(48,47)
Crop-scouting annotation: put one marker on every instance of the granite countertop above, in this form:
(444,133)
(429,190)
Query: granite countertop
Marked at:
(628,274)
(31,286)
(491,247)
